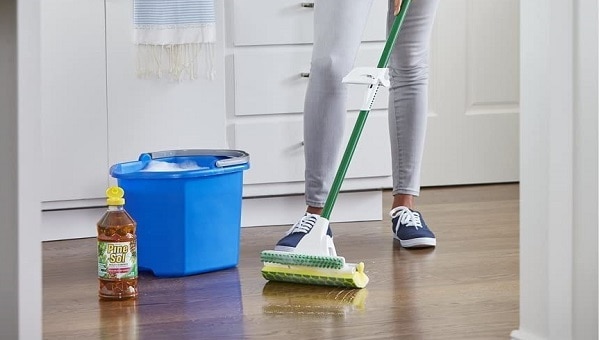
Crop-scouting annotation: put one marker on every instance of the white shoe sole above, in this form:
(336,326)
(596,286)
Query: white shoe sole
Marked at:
(330,248)
(285,248)
(421,242)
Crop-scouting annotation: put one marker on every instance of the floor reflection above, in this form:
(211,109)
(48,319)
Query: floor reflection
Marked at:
(209,304)
(411,270)
(298,299)
(119,320)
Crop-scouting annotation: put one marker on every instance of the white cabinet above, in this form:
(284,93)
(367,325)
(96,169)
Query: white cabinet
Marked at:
(96,112)
(73,100)
(268,52)
(270,49)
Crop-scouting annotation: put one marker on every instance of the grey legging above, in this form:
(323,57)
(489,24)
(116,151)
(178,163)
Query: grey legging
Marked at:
(338,30)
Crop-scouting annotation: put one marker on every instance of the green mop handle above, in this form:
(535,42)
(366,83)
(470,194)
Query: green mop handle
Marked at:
(362,116)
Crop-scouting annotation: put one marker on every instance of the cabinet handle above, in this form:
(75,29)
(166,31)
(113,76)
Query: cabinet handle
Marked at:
(307,4)
(305,74)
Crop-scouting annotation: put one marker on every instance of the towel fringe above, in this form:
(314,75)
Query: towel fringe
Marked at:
(176,61)
(175,39)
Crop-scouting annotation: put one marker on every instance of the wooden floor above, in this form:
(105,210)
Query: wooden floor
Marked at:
(465,288)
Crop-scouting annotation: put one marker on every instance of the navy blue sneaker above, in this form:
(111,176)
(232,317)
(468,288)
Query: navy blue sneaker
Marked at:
(410,229)
(298,231)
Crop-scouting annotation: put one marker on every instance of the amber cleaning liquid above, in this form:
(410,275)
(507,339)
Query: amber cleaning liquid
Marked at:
(117,251)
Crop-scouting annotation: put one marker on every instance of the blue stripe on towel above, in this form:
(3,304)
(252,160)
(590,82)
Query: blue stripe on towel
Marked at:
(173,12)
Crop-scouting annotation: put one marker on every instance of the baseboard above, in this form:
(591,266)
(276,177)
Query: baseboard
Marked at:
(522,335)
(281,210)
(265,211)
(70,224)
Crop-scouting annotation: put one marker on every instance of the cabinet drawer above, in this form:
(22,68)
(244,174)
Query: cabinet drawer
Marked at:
(278,22)
(275,147)
(268,81)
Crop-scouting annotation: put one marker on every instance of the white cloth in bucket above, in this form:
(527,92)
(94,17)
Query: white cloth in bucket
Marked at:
(160,166)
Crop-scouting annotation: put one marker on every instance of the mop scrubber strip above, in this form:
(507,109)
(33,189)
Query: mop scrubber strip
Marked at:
(289,258)
(352,276)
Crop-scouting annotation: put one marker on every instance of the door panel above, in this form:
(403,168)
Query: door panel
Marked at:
(472,134)
(73,97)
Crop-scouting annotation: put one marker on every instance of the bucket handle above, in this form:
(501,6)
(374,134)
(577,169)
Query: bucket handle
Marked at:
(236,157)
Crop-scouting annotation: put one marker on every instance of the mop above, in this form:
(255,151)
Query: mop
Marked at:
(314,260)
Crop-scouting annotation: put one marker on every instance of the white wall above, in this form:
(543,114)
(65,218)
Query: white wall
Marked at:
(559,172)
(20,247)
(585,171)
(8,189)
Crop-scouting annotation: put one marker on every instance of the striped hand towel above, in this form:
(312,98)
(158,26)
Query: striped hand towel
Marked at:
(172,36)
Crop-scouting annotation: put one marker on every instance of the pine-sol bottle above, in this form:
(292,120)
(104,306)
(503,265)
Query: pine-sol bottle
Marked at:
(117,251)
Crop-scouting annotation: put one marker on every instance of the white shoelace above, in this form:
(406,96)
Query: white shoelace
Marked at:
(408,218)
(306,223)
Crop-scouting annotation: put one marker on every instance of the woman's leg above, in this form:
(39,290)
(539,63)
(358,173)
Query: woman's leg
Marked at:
(409,74)
(338,30)
(339,25)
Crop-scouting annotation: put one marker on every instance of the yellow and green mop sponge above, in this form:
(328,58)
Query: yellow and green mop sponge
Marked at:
(313,261)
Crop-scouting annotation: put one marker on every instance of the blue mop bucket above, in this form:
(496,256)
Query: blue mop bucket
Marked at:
(188,209)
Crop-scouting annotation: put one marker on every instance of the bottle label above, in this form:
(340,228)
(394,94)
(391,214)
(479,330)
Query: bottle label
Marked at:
(117,260)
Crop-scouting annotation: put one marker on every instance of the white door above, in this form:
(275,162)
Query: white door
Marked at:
(472,134)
